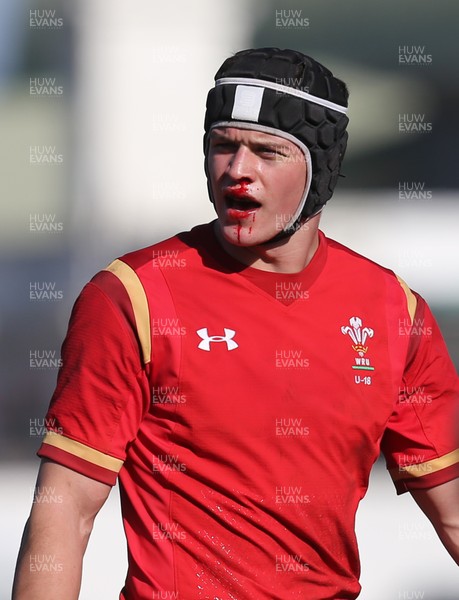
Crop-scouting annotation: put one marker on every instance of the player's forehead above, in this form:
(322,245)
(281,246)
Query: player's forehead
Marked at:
(249,136)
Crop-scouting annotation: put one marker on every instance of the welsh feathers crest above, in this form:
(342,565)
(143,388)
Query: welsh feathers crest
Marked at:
(358,334)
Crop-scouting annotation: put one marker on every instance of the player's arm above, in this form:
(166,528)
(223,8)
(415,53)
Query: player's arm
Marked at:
(441,505)
(101,396)
(421,440)
(56,534)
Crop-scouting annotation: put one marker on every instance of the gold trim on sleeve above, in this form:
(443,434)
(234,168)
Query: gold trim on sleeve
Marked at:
(425,468)
(85,452)
(410,298)
(136,293)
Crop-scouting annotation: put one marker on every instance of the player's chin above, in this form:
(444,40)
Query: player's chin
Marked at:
(245,236)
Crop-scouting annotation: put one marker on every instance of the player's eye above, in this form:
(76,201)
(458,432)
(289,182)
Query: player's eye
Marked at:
(272,151)
(223,146)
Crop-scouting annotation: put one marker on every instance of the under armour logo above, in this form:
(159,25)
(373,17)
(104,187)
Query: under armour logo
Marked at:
(207,339)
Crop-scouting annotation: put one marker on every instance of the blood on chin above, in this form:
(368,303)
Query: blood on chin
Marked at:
(242,227)
(241,234)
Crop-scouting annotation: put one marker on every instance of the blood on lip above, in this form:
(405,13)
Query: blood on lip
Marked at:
(236,213)
(240,190)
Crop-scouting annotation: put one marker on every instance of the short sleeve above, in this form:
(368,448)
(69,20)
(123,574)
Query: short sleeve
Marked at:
(421,440)
(102,389)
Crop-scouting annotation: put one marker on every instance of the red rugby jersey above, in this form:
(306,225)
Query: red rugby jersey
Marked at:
(242,411)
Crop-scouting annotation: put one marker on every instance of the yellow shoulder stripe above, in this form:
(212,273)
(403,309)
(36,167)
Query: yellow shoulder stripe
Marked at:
(85,452)
(425,468)
(410,298)
(136,292)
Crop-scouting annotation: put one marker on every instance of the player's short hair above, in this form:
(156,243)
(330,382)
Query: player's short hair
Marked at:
(286,93)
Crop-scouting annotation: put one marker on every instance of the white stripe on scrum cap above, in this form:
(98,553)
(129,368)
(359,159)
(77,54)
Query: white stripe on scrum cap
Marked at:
(287,136)
(261,83)
(247,103)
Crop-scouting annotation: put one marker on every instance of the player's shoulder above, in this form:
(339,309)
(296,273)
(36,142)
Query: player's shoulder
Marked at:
(366,270)
(125,284)
(131,271)
(346,257)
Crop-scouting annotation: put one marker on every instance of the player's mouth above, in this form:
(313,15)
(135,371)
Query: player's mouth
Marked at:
(240,204)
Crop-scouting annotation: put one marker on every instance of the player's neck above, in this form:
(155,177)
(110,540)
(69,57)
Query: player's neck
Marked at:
(290,255)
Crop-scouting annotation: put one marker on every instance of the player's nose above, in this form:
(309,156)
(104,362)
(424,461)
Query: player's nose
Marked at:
(241,165)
